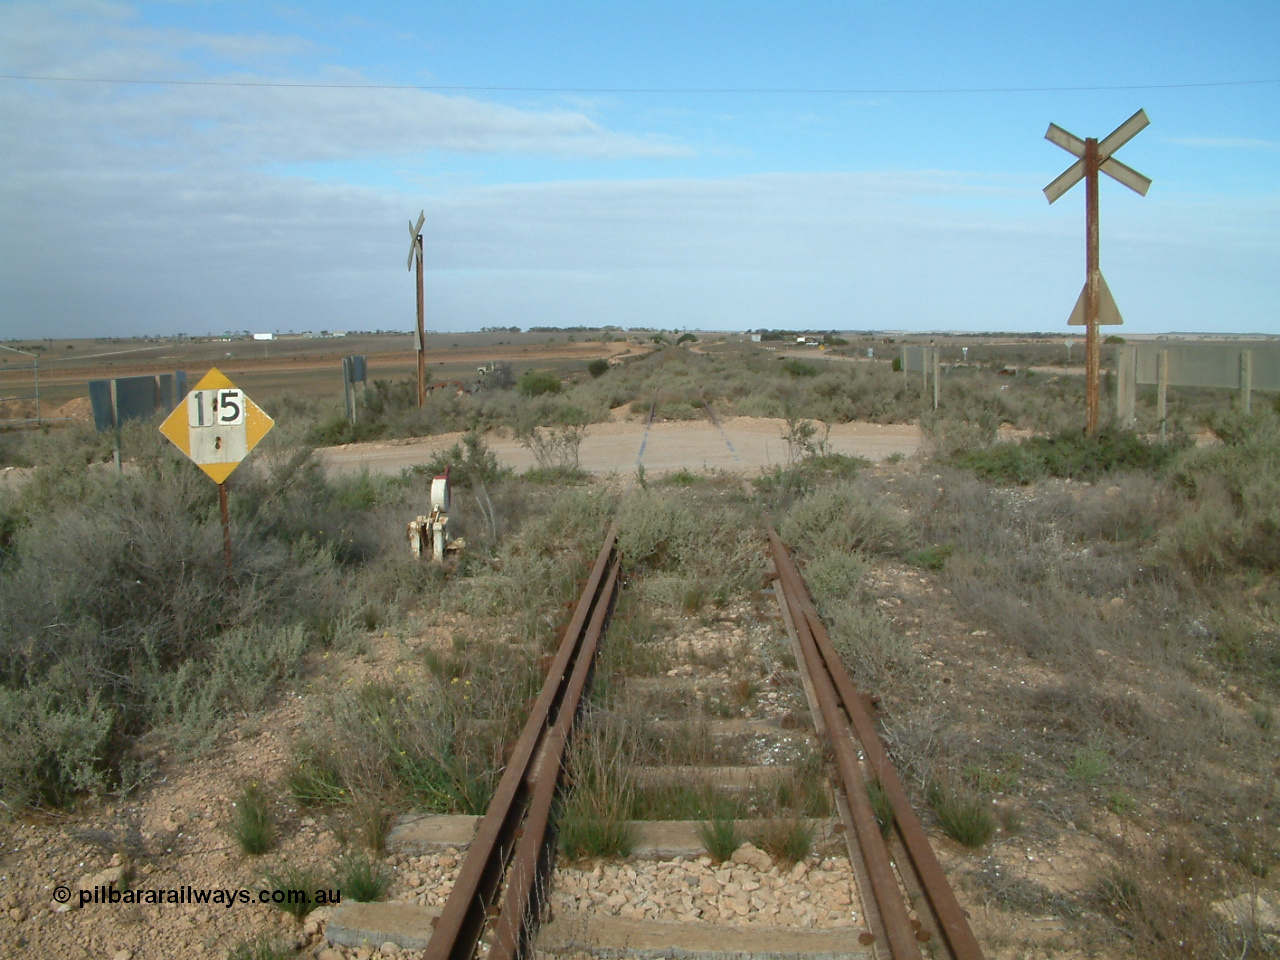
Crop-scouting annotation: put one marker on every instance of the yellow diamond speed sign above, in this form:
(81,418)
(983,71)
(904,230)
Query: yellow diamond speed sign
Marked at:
(216,425)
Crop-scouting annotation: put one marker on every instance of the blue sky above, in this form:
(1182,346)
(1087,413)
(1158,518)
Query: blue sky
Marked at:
(578,166)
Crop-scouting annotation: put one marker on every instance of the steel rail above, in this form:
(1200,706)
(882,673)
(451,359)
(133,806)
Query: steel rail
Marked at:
(884,883)
(527,875)
(462,921)
(952,921)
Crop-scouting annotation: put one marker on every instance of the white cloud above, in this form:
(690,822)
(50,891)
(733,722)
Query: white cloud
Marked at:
(128,251)
(254,124)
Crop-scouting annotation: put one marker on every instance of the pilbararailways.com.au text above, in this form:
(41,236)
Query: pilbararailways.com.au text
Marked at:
(178,896)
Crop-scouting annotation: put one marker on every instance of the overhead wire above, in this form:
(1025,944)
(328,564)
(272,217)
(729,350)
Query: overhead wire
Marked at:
(476,88)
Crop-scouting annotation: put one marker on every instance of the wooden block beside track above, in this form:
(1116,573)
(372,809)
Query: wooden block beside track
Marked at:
(666,839)
(372,924)
(613,937)
(419,833)
(725,778)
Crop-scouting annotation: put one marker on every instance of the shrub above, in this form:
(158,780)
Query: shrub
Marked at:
(1071,454)
(1234,491)
(556,476)
(535,383)
(114,592)
(58,742)
(930,558)
(844,517)
(192,703)
(470,463)
(833,577)
(801,440)
(952,432)
(866,641)
(655,532)
(798,368)
(553,447)
(598,367)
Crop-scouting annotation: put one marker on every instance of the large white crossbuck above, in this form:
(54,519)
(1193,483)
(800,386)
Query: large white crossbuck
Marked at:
(1108,164)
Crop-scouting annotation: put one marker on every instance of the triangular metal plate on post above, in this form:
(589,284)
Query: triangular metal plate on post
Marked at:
(1108,312)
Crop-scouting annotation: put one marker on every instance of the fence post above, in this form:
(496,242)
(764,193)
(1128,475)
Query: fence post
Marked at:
(1162,390)
(1246,380)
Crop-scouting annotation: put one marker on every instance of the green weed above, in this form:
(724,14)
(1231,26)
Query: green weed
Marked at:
(252,827)
(964,816)
(265,947)
(719,838)
(304,880)
(362,878)
(314,779)
(881,805)
(1000,780)
(1121,804)
(593,821)
(1089,764)
(929,558)
(787,841)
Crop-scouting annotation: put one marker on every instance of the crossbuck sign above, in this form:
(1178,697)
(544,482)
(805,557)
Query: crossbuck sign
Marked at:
(1095,304)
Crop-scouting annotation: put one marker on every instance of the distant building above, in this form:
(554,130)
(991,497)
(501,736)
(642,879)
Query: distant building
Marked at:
(264,336)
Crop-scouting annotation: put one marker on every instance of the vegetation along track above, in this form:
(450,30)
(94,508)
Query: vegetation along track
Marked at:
(504,885)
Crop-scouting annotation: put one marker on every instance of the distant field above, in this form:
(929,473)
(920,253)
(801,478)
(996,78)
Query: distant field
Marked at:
(310,367)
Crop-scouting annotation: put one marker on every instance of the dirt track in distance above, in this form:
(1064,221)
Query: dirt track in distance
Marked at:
(748,444)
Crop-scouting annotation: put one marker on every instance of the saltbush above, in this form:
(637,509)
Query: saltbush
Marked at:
(1234,493)
(117,614)
(843,518)
(1071,454)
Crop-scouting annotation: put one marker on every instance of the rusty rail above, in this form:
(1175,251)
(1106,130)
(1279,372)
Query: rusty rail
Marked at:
(842,709)
(515,838)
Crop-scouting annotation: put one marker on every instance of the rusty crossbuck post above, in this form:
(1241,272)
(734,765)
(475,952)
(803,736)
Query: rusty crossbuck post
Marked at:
(415,252)
(1095,304)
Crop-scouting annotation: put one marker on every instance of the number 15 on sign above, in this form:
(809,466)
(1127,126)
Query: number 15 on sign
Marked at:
(220,408)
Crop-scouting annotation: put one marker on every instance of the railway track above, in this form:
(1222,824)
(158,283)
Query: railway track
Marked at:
(514,841)
(903,907)
(899,905)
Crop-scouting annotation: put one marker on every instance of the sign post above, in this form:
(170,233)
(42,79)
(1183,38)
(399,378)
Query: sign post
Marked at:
(415,253)
(216,425)
(1095,305)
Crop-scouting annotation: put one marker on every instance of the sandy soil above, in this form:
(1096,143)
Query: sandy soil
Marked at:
(743,445)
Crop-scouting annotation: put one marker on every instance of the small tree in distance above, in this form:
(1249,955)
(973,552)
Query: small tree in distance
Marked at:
(537,382)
